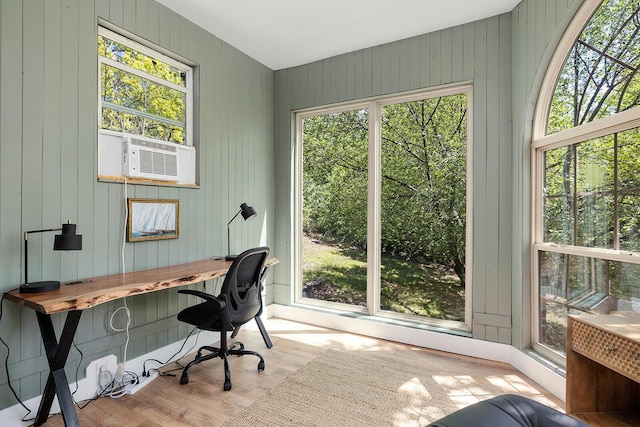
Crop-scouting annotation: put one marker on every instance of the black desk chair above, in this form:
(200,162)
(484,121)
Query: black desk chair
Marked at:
(240,301)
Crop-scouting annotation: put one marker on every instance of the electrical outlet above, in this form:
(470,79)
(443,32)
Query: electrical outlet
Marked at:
(104,376)
(101,368)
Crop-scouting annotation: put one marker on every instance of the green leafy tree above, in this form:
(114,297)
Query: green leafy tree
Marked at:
(600,76)
(423,179)
(335,176)
(424,145)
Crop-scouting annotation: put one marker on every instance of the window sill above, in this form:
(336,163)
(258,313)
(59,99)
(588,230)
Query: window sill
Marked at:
(142,181)
(384,318)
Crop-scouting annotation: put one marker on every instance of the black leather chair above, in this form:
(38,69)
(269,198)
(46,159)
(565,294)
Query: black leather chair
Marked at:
(239,301)
(509,410)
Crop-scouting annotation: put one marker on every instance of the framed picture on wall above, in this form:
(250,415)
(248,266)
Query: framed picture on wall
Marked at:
(152,219)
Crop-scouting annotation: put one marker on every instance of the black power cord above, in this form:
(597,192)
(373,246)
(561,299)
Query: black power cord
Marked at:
(6,367)
(146,373)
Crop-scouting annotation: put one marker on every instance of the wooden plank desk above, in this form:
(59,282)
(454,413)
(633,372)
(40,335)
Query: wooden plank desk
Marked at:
(75,298)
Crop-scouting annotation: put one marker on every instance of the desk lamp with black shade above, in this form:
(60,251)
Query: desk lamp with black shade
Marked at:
(68,240)
(247,213)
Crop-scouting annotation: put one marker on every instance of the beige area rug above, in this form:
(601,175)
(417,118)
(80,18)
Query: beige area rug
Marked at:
(342,389)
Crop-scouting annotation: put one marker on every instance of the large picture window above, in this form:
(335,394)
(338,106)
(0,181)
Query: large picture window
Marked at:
(383,223)
(587,173)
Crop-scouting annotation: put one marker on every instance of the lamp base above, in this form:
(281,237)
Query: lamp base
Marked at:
(230,257)
(35,287)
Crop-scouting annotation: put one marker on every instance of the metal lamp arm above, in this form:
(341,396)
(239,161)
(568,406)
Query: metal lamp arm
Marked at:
(26,252)
(234,217)
(229,232)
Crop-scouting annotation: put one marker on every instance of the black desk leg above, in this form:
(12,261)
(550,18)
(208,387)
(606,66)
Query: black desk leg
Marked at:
(57,353)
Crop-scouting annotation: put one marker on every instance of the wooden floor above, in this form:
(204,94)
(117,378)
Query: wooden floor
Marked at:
(164,402)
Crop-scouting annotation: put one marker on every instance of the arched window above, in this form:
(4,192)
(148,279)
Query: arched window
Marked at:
(586,141)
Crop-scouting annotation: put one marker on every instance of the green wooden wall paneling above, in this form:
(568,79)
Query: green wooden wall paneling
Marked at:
(536,29)
(48,163)
(504,166)
(10,170)
(483,251)
(497,295)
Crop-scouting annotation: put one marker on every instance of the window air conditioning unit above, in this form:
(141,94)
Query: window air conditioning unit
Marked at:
(148,158)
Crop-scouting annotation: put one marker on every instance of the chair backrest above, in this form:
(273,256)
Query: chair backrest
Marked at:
(241,289)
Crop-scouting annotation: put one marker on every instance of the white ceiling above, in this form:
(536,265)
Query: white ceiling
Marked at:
(286,33)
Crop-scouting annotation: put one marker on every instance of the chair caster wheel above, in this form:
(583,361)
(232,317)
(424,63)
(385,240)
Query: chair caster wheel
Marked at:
(184,379)
(227,386)
(237,346)
(261,365)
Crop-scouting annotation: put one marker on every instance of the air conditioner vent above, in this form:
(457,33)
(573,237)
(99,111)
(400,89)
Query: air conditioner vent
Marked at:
(146,158)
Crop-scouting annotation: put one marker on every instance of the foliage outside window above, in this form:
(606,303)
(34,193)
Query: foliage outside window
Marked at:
(143,92)
(384,202)
(587,223)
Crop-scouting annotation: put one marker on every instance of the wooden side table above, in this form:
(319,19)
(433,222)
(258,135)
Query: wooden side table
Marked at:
(603,369)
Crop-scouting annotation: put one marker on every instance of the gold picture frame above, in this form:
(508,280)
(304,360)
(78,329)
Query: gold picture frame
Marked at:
(152,219)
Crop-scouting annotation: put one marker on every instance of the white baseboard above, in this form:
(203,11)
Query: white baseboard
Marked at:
(87,387)
(548,378)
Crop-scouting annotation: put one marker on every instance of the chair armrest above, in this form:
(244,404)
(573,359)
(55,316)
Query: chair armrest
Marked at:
(204,296)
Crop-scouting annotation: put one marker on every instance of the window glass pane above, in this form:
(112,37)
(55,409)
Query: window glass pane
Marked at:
(629,212)
(137,125)
(594,164)
(558,220)
(591,192)
(142,107)
(625,292)
(335,162)
(424,163)
(140,61)
(571,284)
(553,325)
(595,189)
(559,184)
(595,221)
(600,75)
(628,160)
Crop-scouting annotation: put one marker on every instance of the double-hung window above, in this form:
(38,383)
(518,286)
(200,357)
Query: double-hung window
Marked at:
(586,168)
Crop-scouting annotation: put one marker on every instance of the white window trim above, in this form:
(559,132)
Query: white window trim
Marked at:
(154,52)
(374,105)
(548,86)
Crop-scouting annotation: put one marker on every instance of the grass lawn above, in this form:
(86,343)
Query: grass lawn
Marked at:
(335,272)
